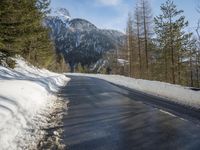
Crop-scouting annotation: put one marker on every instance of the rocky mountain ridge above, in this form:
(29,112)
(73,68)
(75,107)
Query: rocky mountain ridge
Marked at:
(80,41)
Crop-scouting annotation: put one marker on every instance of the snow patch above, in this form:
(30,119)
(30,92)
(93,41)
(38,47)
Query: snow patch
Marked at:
(26,93)
(63,14)
(122,62)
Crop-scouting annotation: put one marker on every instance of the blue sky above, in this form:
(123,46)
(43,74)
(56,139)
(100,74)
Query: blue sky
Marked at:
(112,14)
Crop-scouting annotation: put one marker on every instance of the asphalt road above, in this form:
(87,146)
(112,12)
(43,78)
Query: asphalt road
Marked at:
(102,116)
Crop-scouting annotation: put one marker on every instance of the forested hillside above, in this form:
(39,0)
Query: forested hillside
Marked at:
(22,33)
(161,48)
(155,47)
(79,41)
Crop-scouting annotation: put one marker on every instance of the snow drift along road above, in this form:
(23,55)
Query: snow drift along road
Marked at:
(179,94)
(26,94)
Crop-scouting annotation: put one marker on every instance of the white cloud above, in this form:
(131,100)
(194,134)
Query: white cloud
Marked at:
(109,2)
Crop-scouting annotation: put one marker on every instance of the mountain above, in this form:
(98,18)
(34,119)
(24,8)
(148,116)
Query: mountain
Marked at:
(80,41)
(63,14)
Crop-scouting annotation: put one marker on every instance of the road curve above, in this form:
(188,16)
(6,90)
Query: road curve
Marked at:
(102,116)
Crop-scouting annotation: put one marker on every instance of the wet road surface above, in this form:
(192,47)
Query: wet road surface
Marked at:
(102,116)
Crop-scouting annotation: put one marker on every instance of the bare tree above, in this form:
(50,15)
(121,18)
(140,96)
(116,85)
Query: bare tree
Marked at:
(198,49)
(147,20)
(137,23)
(129,33)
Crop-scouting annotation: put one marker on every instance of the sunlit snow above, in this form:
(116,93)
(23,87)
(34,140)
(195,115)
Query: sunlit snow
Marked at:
(26,93)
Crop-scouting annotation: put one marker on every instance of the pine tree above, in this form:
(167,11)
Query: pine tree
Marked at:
(11,23)
(169,28)
(22,31)
(38,48)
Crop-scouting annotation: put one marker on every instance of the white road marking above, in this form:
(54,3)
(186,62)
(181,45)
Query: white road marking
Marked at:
(167,113)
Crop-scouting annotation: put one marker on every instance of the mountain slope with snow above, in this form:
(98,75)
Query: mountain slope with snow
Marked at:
(27,95)
(63,14)
(79,40)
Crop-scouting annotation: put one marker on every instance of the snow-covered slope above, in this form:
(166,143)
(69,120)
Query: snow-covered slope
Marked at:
(63,14)
(81,25)
(175,93)
(26,95)
(79,40)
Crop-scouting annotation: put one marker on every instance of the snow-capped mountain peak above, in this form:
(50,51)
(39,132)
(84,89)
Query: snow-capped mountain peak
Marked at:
(63,14)
(79,40)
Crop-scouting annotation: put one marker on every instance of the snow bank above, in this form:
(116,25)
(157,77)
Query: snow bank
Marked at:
(175,93)
(26,93)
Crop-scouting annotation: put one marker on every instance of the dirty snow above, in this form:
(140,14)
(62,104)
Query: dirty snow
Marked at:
(26,95)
